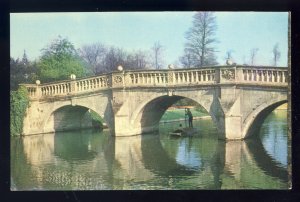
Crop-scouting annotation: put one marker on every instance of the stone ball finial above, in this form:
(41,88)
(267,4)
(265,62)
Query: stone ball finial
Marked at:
(38,82)
(120,68)
(73,76)
(229,62)
(171,66)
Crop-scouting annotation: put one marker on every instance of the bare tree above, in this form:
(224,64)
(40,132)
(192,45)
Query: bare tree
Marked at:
(186,59)
(201,39)
(276,54)
(136,60)
(253,53)
(114,58)
(157,55)
(94,55)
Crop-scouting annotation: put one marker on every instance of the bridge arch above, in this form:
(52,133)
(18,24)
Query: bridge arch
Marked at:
(149,112)
(256,117)
(66,117)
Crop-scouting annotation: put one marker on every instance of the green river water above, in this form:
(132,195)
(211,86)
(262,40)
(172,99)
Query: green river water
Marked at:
(93,160)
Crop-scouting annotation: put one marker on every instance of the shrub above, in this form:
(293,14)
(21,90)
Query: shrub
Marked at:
(19,101)
(96,120)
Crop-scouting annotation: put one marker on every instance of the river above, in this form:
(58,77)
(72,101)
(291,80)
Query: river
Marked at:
(93,160)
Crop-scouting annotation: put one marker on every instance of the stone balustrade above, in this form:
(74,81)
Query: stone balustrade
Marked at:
(263,75)
(61,88)
(91,84)
(163,78)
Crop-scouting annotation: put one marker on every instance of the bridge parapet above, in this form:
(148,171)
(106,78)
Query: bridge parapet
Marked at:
(274,76)
(262,74)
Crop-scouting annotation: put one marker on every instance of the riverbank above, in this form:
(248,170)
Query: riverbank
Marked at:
(178,114)
(182,119)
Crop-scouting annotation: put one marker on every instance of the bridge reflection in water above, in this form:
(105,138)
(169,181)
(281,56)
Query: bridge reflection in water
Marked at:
(94,160)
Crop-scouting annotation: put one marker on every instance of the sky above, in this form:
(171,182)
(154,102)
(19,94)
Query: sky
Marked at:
(133,31)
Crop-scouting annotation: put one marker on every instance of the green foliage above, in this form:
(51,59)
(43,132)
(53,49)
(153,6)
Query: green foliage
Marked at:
(59,61)
(201,109)
(97,121)
(22,71)
(19,102)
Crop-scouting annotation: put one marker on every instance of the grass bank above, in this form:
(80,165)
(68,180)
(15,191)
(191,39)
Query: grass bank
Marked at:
(179,114)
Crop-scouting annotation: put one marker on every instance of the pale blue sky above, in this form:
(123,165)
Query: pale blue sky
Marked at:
(239,31)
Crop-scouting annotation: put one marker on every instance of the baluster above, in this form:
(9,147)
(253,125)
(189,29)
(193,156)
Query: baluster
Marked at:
(201,76)
(209,75)
(249,75)
(196,77)
(153,78)
(254,75)
(280,76)
(100,80)
(284,76)
(143,78)
(79,87)
(186,77)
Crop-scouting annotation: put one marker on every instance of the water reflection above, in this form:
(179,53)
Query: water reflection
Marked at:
(94,160)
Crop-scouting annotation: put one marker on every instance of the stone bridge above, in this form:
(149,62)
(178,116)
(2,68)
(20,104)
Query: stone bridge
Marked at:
(132,102)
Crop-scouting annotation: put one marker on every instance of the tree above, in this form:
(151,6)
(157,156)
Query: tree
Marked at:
(59,60)
(276,54)
(22,71)
(186,59)
(113,58)
(157,49)
(136,60)
(201,39)
(253,53)
(93,55)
